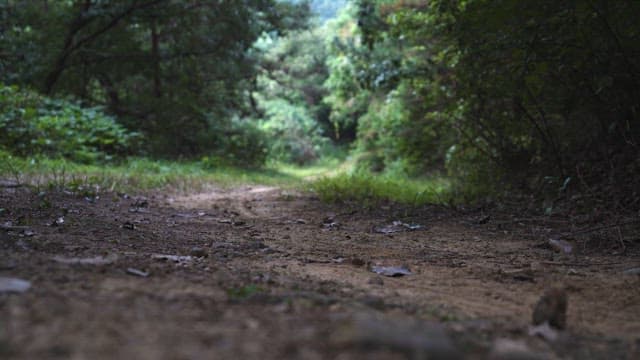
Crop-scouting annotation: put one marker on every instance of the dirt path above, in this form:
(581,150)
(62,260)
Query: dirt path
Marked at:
(260,272)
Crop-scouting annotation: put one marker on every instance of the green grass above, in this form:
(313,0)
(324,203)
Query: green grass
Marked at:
(145,174)
(329,178)
(369,189)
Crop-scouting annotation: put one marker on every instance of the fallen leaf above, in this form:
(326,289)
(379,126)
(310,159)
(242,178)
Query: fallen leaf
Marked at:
(128,225)
(561,246)
(98,260)
(13,285)
(397,226)
(28,233)
(137,272)
(483,220)
(544,331)
(391,271)
(57,222)
(174,258)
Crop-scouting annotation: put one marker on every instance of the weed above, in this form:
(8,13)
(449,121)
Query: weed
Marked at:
(244,292)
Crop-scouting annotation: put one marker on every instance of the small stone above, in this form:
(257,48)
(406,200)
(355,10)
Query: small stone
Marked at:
(376,280)
(197,251)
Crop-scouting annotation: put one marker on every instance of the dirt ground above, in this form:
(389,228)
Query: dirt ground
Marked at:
(265,273)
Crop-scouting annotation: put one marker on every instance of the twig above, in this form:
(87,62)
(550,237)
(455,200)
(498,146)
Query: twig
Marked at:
(624,248)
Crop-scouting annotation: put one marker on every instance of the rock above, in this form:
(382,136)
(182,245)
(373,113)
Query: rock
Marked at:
(552,308)
(13,285)
(376,280)
(197,251)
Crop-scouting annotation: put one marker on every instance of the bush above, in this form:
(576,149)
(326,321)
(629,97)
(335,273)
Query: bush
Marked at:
(295,136)
(32,124)
(238,142)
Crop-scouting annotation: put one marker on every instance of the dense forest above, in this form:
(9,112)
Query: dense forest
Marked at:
(502,97)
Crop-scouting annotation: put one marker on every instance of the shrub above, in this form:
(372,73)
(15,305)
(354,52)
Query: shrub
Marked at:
(238,142)
(32,124)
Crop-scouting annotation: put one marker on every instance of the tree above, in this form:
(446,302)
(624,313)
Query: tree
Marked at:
(167,68)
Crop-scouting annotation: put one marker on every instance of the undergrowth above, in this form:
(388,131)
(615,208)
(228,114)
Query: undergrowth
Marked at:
(144,174)
(369,189)
(329,179)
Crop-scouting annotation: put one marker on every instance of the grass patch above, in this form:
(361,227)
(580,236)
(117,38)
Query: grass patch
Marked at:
(329,178)
(145,174)
(369,189)
(244,292)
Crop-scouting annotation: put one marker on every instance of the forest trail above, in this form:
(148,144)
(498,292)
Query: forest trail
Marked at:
(262,272)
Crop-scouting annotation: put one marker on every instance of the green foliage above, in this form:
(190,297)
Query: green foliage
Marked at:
(238,142)
(136,174)
(364,187)
(175,71)
(502,95)
(347,96)
(244,292)
(295,136)
(32,124)
(289,95)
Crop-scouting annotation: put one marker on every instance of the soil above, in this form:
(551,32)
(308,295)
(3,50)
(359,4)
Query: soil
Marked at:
(262,272)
